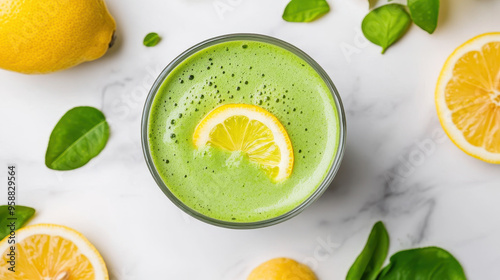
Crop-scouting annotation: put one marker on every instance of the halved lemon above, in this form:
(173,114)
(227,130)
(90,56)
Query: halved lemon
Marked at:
(468,97)
(282,269)
(51,252)
(251,130)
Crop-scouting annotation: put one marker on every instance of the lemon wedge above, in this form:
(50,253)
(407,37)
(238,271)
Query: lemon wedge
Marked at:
(468,97)
(52,252)
(251,130)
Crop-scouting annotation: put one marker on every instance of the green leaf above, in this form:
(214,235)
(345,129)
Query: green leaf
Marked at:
(151,40)
(79,136)
(425,13)
(305,10)
(18,215)
(429,263)
(386,24)
(371,259)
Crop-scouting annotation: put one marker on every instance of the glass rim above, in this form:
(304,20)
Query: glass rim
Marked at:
(335,165)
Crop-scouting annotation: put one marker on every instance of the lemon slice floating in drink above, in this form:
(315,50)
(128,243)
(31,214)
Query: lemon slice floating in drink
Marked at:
(251,130)
(53,252)
(468,97)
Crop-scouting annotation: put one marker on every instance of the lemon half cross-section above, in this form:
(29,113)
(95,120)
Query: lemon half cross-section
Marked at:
(468,97)
(251,130)
(51,252)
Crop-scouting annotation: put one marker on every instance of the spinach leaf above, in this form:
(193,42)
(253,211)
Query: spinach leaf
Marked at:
(18,215)
(305,10)
(371,259)
(386,24)
(425,13)
(151,40)
(79,136)
(429,263)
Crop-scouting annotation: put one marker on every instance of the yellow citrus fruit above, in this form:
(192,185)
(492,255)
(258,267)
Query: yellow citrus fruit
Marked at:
(52,252)
(282,269)
(251,130)
(468,97)
(51,35)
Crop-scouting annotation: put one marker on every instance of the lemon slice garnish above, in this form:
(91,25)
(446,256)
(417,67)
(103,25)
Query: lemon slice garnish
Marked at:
(55,252)
(251,130)
(468,97)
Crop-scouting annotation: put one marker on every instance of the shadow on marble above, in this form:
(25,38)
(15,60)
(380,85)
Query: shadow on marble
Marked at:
(444,13)
(350,174)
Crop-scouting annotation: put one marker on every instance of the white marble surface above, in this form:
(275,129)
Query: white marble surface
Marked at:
(443,197)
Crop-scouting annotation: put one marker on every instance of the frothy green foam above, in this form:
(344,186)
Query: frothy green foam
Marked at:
(226,185)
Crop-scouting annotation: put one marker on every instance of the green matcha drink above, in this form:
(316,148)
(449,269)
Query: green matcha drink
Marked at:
(226,185)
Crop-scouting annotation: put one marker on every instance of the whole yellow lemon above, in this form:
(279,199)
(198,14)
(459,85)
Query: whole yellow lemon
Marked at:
(43,36)
(282,269)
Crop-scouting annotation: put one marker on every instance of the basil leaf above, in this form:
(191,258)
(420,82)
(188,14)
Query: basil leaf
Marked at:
(305,10)
(18,215)
(151,40)
(79,136)
(386,24)
(424,13)
(429,263)
(371,259)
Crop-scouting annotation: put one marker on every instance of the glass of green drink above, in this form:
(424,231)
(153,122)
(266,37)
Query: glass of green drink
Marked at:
(243,131)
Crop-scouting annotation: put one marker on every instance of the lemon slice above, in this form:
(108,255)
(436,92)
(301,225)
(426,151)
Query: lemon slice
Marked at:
(468,97)
(51,252)
(251,130)
(282,269)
